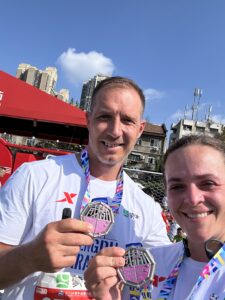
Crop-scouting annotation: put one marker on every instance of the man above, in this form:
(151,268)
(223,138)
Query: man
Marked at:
(179,236)
(35,242)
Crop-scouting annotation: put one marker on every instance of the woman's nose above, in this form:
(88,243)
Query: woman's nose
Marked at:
(194,195)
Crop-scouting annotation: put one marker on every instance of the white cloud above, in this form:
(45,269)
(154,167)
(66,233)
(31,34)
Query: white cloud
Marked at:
(152,94)
(177,115)
(79,67)
(218,119)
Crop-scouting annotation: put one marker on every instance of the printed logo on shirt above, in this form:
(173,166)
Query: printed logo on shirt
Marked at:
(157,279)
(87,252)
(128,214)
(213,297)
(68,198)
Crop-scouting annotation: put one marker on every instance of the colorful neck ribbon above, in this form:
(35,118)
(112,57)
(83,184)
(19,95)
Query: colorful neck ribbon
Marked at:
(145,292)
(115,205)
(210,268)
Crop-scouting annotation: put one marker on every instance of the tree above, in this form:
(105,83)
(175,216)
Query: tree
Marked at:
(221,136)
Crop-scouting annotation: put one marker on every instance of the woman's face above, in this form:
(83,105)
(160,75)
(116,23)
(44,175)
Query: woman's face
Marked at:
(195,179)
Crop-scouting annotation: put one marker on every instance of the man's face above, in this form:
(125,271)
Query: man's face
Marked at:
(114,125)
(195,178)
(179,232)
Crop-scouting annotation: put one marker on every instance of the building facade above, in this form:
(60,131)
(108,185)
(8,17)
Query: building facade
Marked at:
(149,149)
(87,91)
(186,127)
(193,125)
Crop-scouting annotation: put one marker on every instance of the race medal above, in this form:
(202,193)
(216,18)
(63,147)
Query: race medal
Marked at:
(139,267)
(100,215)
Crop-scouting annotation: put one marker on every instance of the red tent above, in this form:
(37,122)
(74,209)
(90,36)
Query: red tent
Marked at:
(26,110)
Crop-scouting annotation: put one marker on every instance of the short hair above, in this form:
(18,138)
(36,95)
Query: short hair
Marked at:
(117,81)
(201,140)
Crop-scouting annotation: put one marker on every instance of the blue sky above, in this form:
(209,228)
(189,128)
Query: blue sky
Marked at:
(168,47)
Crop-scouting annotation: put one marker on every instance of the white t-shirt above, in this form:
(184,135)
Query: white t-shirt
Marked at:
(36,195)
(166,258)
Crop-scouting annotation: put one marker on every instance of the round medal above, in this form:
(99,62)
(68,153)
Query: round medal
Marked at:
(139,267)
(100,215)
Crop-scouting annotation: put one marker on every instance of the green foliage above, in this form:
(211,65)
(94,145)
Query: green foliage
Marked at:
(221,135)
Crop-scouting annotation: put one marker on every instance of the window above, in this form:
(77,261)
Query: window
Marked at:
(187,127)
(200,129)
(151,160)
(134,157)
(138,142)
(154,143)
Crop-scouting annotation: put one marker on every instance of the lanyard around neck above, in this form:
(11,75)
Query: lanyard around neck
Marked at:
(115,205)
(170,282)
(210,268)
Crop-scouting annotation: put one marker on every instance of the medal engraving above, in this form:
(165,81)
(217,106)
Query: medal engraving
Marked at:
(100,215)
(139,267)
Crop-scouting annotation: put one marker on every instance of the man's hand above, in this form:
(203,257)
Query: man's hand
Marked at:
(55,247)
(101,275)
(58,244)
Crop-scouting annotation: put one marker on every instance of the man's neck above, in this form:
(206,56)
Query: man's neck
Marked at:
(104,172)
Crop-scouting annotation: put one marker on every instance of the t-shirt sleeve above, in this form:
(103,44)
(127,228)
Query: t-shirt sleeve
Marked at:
(154,233)
(15,207)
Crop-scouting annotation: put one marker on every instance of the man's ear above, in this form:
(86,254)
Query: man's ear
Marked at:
(142,127)
(87,115)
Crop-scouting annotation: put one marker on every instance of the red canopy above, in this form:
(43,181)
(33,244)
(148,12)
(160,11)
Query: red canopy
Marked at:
(26,110)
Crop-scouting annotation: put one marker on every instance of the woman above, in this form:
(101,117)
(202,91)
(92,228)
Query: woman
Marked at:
(194,169)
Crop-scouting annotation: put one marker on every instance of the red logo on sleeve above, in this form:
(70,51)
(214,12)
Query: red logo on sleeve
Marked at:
(68,198)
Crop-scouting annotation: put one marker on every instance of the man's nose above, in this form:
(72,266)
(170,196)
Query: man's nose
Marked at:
(194,195)
(115,128)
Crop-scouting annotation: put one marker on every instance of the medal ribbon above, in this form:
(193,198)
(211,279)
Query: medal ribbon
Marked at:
(171,280)
(210,268)
(87,197)
(145,292)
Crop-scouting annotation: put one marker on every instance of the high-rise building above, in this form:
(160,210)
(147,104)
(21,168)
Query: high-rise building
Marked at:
(48,80)
(63,94)
(44,80)
(29,74)
(87,91)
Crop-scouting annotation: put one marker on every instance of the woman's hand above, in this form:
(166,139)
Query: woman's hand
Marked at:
(101,275)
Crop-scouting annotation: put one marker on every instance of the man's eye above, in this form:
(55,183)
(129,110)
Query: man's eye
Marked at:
(103,117)
(127,121)
(208,184)
(176,187)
